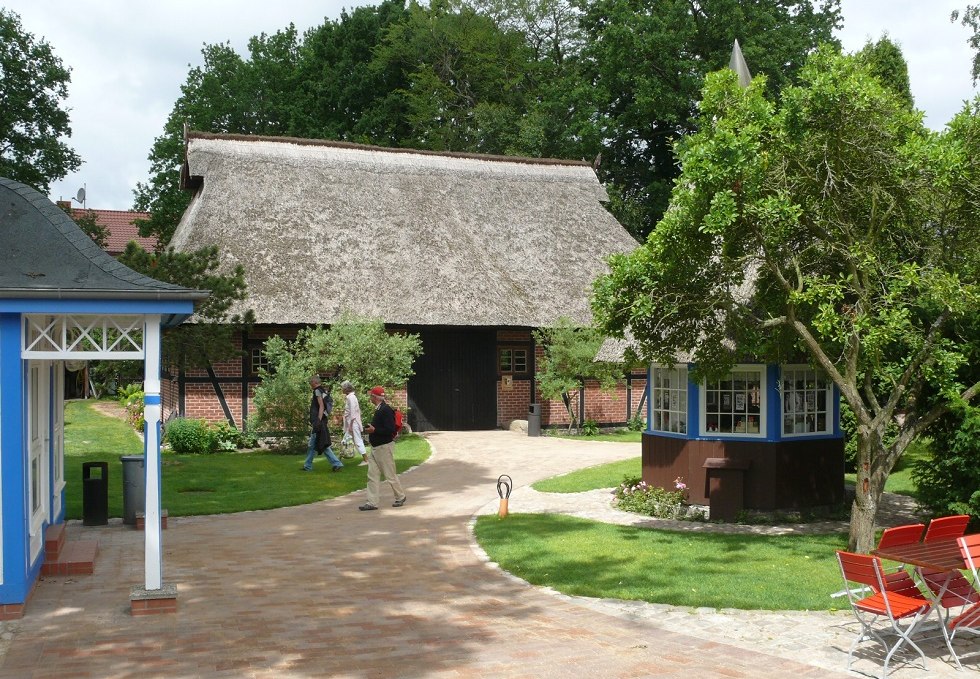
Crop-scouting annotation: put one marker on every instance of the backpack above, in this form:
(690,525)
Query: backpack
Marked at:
(398,421)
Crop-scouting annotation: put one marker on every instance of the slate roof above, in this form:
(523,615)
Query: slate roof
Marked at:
(410,237)
(46,255)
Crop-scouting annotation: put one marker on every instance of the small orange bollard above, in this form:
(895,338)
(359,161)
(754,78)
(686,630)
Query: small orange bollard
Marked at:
(503,490)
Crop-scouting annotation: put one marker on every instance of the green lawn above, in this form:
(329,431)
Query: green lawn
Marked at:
(587,558)
(618,436)
(607,475)
(210,484)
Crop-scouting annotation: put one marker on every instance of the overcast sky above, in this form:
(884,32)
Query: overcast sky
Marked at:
(128,60)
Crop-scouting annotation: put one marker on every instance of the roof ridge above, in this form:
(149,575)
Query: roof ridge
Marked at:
(299,141)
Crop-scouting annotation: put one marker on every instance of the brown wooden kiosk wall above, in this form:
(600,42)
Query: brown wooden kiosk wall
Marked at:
(778,475)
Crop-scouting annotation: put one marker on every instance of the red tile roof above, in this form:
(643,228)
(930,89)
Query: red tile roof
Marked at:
(121,227)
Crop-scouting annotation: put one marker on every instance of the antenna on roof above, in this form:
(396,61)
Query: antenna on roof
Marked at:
(80,198)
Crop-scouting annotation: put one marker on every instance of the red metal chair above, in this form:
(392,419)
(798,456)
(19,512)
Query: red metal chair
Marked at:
(903,612)
(901,535)
(959,590)
(969,619)
(899,580)
(946,527)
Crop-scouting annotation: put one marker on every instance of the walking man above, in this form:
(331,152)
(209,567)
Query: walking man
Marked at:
(320,406)
(381,461)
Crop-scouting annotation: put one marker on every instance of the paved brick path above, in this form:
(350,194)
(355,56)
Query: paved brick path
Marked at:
(326,590)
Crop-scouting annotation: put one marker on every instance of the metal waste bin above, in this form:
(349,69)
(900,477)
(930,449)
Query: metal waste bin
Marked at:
(95,494)
(134,487)
(534,420)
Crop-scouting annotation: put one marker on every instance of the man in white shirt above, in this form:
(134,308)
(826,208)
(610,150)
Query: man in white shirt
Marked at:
(352,419)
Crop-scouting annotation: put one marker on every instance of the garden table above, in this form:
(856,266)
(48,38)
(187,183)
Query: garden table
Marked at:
(940,555)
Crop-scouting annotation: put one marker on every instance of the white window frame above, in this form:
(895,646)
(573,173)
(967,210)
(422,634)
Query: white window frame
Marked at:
(668,399)
(749,431)
(801,403)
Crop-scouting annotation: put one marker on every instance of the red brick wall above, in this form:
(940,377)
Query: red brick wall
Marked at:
(512,404)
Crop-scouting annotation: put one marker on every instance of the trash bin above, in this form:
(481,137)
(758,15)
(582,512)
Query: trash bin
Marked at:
(134,487)
(95,494)
(534,420)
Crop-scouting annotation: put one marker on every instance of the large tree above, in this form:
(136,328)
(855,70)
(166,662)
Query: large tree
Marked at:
(833,226)
(33,87)
(647,59)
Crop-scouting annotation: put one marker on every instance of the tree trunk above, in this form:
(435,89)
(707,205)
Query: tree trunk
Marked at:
(869,485)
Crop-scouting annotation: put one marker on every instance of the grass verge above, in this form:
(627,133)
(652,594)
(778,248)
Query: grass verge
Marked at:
(607,475)
(586,558)
(220,483)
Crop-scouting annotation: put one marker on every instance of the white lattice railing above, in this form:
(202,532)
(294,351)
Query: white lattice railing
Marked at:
(89,337)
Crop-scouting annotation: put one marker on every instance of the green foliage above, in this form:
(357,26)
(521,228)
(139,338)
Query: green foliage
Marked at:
(282,398)
(195,345)
(128,392)
(885,61)
(647,61)
(831,226)
(590,428)
(131,398)
(108,377)
(971,19)
(569,359)
(189,436)
(33,86)
(636,423)
(949,481)
(359,350)
(634,495)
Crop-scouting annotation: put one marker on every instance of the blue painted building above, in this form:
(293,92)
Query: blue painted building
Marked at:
(763,437)
(63,299)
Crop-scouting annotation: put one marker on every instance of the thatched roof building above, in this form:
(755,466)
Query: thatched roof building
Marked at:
(471,252)
(412,237)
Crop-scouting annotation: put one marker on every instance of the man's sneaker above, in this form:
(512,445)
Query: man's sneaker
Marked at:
(399,503)
(363,464)
(307,469)
(337,469)
(367,508)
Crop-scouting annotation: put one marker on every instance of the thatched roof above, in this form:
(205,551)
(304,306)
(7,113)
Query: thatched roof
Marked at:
(410,237)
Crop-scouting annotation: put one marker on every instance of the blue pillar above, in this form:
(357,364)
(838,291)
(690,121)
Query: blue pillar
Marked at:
(13,465)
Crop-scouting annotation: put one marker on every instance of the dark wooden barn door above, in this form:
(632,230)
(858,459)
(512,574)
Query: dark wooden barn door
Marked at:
(455,383)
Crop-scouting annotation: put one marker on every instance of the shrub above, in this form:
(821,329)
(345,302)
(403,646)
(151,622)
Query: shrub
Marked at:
(634,495)
(190,436)
(948,481)
(228,438)
(636,423)
(131,398)
(590,428)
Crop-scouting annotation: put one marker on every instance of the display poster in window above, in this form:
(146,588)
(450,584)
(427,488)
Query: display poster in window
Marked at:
(726,401)
(740,402)
(673,400)
(810,400)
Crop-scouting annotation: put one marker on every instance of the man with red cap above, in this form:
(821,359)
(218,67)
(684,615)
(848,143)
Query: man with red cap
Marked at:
(381,461)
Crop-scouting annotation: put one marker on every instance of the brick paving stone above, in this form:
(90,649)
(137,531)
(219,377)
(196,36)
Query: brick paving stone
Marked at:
(324,590)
